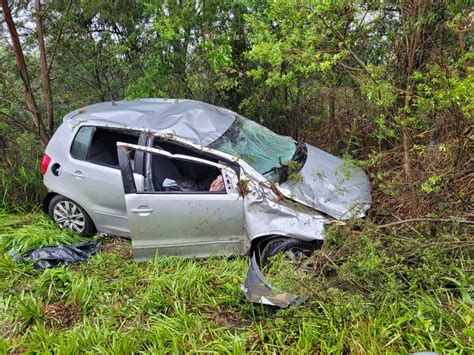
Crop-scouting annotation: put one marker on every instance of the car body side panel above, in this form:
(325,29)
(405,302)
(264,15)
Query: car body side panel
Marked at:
(198,225)
(97,188)
(100,188)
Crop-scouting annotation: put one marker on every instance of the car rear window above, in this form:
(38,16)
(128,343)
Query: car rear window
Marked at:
(81,142)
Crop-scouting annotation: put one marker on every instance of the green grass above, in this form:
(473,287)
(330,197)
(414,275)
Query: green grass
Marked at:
(371,292)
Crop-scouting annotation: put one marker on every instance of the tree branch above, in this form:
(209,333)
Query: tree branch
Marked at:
(341,37)
(17,122)
(58,37)
(427,219)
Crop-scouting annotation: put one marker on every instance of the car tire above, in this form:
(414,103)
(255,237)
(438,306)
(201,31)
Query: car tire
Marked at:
(67,213)
(280,245)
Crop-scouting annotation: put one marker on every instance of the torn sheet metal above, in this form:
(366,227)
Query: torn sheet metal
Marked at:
(268,214)
(258,290)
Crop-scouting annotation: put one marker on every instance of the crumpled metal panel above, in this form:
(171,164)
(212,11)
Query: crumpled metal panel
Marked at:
(268,214)
(258,290)
(195,121)
(330,185)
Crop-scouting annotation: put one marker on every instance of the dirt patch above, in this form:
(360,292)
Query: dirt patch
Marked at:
(226,319)
(116,245)
(19,350)
(6,329)
(60,315)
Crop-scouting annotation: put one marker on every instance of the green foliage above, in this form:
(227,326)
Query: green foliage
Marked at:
(432,184)
(20,173)
(380,292)
(333,73)
(195,52)
(294,175)
(351,77)
(40,234)
(439,90)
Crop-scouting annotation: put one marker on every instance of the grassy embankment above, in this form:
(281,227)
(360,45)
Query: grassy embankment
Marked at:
(372,291)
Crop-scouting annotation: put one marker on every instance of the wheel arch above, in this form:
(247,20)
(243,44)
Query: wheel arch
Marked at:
(50,195)
(258,243)
(47,199)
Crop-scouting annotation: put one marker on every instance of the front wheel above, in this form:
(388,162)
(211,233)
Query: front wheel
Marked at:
(292,247)
(66,213)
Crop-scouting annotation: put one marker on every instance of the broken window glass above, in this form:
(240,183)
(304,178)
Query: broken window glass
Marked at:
(262,149)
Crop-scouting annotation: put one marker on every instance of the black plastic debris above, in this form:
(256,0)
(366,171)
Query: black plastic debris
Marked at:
(48,257)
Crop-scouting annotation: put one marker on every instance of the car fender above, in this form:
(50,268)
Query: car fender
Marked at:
(268,214)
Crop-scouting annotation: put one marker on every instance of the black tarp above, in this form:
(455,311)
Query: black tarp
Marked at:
(48,257)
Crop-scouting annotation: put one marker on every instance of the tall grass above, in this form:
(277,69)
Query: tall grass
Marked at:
(374,293)
(24,232)
(21,182)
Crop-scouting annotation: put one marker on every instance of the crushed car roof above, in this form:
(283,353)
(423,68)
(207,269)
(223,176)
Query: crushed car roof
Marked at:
(196,121)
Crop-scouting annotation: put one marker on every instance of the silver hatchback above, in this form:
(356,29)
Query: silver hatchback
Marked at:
(185,178)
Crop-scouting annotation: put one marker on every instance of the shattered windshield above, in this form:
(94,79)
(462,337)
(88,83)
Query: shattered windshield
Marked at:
(262,149)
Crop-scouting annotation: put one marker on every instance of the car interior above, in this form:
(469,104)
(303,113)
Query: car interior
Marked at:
(103,147)
(167,175)
(175,175)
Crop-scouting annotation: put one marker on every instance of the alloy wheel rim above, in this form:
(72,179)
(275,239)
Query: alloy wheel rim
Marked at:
(68,215)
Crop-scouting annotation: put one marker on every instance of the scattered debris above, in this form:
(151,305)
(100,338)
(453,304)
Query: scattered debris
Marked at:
(258,290)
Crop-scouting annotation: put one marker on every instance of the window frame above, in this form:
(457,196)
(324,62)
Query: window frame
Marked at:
(95,128)
(88,144)
(225,192)
(129,183)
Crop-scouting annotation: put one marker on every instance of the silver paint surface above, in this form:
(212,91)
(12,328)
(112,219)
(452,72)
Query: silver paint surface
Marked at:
(257,289)
(331,185)
(195,121)
(177,219)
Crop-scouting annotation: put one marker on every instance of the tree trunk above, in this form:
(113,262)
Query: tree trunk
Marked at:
(44,69)
(21,64)
(411,14)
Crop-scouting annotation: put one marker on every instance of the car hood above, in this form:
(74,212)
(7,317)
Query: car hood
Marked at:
(330,185)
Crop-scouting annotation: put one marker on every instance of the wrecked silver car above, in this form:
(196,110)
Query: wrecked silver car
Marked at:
(186,178)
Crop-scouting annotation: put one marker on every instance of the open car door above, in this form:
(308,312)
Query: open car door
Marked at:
(182,223)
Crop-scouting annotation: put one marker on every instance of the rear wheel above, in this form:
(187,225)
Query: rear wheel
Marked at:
(66,213)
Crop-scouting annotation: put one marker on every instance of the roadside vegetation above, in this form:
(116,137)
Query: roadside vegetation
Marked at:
(371,291)
(387,84)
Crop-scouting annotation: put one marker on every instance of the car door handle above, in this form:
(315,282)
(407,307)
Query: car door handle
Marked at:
(141,210)
(78,174)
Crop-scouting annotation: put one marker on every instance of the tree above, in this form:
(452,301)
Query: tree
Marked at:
(23,70)
(44,69)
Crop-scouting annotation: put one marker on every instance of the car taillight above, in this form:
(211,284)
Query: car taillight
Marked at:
(45,163)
